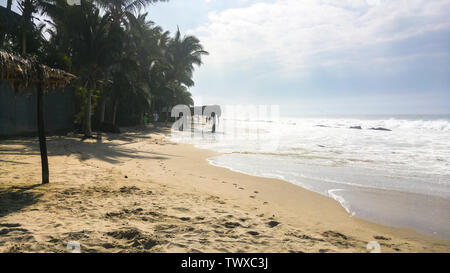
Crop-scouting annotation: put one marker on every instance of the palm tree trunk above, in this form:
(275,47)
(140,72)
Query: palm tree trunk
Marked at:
(9,5)
(167,114)
(102,110)
(116,103)
(24,42)
(41,132)
(153,105)
(87,128)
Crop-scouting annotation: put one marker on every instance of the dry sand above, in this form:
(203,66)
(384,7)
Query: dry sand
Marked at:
(139,192)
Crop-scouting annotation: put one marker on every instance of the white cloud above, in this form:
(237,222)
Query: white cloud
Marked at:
(290,34)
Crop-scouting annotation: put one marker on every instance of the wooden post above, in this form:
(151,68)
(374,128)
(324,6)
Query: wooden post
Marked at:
(41,132)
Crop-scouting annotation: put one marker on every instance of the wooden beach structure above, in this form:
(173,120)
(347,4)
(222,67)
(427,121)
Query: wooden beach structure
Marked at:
(22,73)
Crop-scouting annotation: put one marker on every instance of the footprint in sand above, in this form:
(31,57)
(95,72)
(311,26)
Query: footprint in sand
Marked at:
(231,224)
(273,224)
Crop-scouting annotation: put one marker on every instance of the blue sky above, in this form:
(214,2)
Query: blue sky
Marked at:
(319,56)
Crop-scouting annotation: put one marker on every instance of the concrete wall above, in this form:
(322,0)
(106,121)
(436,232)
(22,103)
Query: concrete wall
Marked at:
(18,111)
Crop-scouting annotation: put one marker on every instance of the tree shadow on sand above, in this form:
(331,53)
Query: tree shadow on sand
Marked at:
(16,198)
(111,152)
(14,151)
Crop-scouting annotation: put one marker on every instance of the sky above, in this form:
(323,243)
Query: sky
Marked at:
(319,56)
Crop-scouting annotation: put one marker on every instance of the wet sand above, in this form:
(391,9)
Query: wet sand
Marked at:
(426,214)
(139,192)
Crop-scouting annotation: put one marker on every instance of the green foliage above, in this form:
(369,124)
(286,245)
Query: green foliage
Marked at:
(130,64)
(81,94)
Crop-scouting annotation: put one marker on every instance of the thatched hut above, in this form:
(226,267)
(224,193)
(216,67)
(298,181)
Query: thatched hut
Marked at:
(22,73)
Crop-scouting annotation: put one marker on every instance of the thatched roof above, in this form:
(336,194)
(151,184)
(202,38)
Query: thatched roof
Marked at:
(23,72)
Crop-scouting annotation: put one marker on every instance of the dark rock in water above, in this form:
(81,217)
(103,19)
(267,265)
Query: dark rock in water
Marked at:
(380,129)
(324,126)
(321,146)
(110,128)
(356,127)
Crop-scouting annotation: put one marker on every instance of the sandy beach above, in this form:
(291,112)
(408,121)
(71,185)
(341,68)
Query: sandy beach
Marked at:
(139,192)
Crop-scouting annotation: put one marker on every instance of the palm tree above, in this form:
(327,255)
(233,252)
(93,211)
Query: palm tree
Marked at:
(81,34)
(24,36)
(27,8)
(150,45)
(134,63)
(121,12)
(182,96)
(91,54)
(8,23)
(183,54)
(137,53)
(120,8)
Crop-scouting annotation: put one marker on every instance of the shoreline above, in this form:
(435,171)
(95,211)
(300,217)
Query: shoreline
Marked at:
(139,192)
(381,199)
(338,203)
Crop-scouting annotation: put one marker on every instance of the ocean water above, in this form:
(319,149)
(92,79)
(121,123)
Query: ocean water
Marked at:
(399,177)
